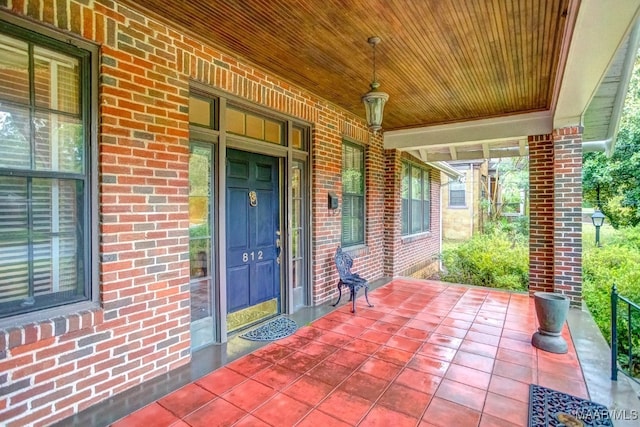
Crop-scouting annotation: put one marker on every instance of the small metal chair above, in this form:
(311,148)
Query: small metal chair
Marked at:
(344,262)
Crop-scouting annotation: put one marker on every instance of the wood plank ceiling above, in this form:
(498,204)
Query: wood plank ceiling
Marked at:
(441,61)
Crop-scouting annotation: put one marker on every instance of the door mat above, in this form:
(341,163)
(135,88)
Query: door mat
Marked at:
(275,329)
(551,408)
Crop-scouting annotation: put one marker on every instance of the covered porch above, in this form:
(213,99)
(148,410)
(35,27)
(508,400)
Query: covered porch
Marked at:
(182,108)
(428,353)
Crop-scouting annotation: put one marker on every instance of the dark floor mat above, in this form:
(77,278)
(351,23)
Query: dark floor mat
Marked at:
(551,408)
(275,329)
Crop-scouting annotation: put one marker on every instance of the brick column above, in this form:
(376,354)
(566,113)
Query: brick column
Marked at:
(567,236)
(392,210)
(541,213)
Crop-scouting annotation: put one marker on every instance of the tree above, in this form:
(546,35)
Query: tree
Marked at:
(613,183)
(512,176)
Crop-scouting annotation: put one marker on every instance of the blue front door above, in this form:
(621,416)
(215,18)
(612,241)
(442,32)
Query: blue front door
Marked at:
(253,224)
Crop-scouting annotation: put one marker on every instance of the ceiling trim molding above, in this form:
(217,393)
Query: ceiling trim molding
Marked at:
(498,128)
(572,14)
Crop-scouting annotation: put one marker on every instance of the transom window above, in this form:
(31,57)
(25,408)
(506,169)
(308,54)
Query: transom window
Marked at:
(416,199)
(44,172)
(202,111)
(254,126)
(352,194)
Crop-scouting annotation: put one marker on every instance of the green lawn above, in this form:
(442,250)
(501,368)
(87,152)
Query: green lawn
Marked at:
(607,235)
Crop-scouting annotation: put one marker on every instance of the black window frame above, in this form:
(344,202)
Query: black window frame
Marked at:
(86,292)
(352,199)
(423,204)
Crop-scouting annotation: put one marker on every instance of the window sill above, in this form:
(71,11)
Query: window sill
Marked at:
(40,325)
(357,250)
(458,207)
(416,237)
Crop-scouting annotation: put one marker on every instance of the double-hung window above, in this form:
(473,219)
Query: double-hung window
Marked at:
(44,171)
(352,194)
(457,197)
(416,200)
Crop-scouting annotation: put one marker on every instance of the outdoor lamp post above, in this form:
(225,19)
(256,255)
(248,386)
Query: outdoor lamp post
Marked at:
(598,219)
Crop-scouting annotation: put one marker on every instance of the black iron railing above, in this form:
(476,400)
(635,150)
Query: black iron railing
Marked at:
(625,325)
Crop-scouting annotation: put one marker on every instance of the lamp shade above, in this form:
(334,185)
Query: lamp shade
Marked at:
(597,218)
(374,101)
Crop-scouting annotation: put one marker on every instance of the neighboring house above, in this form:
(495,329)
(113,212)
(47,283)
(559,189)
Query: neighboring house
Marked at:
(463,210)
(169,170)
(480,192)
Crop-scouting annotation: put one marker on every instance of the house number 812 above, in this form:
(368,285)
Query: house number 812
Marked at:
(251,256)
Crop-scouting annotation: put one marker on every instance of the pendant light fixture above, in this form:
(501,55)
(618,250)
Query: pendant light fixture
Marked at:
(375,99)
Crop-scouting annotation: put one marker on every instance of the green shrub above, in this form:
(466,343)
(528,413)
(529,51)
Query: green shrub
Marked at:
(616,262)
(619,214)
(495,260)
(517,228)
(629,237)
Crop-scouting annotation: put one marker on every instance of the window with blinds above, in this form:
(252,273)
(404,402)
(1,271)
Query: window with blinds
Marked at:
(44,113)
(352,194)
(416,199)
(457,197)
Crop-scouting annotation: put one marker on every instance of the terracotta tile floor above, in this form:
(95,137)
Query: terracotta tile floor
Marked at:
(426,354)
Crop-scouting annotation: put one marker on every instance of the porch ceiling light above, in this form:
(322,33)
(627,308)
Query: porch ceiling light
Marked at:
(375,99)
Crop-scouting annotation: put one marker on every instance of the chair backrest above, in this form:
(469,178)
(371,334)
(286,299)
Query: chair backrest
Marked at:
(344,262)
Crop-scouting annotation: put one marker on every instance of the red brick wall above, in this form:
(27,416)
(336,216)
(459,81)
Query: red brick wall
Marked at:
(541,215)
(408,254)
(567,169)
(327,223)
(555,242)
(54,368)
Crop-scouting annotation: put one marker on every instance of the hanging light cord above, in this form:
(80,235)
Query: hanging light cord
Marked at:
(374,62)
(373,41)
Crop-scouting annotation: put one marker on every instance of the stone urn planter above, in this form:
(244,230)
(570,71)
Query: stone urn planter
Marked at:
(551,309)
